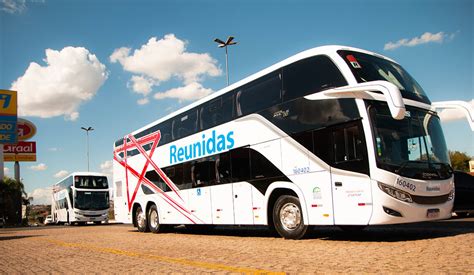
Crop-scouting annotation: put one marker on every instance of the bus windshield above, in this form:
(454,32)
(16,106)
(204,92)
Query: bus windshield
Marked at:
(91,200)
(91,182)
(413,147)
(366,67)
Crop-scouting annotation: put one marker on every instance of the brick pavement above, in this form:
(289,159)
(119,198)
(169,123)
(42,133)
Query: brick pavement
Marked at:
(445,247)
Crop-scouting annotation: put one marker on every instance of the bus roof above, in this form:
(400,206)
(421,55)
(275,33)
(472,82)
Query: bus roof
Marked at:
(330,49)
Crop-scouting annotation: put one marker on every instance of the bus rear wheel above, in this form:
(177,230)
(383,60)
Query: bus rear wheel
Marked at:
(141,220)
(154,220)
(288,218)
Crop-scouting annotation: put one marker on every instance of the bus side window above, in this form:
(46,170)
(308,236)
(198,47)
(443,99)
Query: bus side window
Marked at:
(216,112)
(309,76)
(204,172)
(223,168)
(349,151)
(187,176)
(240,164)
(165,131)
(185,124)
(157,180)
(323,145)
(175,174)
(259,94)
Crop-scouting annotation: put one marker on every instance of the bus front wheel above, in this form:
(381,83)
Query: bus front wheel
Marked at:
(140,218)
(288,217)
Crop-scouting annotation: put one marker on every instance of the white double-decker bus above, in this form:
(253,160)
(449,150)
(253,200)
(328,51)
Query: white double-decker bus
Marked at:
(331,136)
(79,198)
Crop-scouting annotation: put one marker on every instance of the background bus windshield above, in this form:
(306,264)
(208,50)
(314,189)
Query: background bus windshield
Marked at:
(413,147)
(91,200)
(90,182)
(367,67)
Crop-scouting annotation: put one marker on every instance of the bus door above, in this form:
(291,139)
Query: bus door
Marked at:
(199,197)
(242,190)
(221,193)
(352,196)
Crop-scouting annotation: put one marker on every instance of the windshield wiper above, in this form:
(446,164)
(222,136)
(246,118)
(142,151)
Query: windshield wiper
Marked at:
(443,165)
(405,163)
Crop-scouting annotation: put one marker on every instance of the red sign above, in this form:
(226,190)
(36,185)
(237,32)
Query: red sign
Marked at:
(26,129)
(22,147)
(22,151)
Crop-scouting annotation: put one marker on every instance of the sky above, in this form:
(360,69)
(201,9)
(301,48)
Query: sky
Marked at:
(119,65)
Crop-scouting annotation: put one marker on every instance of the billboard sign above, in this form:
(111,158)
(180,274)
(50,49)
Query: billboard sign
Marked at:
(23,151)
(26,129)
(8,117)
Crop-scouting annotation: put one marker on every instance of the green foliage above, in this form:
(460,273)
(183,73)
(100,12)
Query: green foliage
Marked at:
(459,161)
(9,185)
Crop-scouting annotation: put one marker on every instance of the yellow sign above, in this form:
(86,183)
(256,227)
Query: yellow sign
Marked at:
(8,103)
(22,157)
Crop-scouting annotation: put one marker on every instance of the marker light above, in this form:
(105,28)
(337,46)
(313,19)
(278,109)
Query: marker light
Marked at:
(398,194)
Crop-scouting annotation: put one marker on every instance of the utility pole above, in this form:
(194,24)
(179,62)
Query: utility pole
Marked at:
(88,129)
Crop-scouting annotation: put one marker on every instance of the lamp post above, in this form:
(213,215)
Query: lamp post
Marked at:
(88,129)
(223,44)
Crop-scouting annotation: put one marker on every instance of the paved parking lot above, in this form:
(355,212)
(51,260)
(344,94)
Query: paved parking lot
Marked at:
(446,246)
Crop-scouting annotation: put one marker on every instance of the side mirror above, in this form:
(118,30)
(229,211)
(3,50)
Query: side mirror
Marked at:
(390,91)
(463,106)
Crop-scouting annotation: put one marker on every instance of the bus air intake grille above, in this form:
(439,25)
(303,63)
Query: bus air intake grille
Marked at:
(91,216)
(430,200)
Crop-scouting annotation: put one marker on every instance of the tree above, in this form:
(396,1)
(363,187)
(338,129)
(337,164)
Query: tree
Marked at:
(459,161)
(11,192)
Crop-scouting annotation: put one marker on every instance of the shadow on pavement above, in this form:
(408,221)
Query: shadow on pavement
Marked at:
(379,233)
(397,233)
(9,238)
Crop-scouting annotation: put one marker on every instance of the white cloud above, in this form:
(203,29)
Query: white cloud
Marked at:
(39,167)
(61,174)
(162,60)
(6,170)
(191,91)
(13,6)
(41,195)
(141,84)
(143,101)
(71,77)
(107,168)
(427,37)
(453,114)
(53,149)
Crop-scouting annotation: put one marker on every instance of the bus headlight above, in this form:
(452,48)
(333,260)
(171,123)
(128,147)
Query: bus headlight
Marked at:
(393,192)
(451,195)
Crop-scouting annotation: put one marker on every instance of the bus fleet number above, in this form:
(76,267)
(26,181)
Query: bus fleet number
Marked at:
(301,170)
(405,184)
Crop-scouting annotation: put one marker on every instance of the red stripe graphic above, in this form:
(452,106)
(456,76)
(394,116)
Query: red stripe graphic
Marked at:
(165,196)
(139,144)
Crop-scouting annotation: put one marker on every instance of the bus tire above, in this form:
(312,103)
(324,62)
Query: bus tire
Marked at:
(141,220)
(288,218)
(154,220)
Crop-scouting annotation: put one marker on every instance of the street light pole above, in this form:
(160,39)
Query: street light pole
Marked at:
(223,44)
(88,129)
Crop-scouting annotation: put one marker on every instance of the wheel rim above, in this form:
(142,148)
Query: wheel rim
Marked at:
(141,219)
(154,219)
(290,216)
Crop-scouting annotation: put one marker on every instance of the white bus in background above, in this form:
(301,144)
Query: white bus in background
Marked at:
(331,136)
(79,198)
